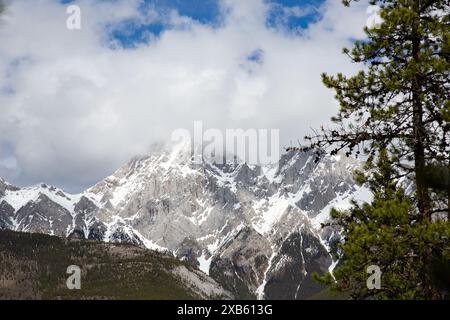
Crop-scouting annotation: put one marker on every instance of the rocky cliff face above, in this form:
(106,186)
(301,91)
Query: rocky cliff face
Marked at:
(255,230)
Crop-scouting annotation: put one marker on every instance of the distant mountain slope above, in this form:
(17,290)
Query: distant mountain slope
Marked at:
(33,266)
(254,229)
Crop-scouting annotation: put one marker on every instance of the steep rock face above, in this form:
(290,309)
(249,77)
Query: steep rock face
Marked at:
(4,186)
(97,231)
(6,215)
(241,264)
(44,216)
(290,274)
(189,250)
(85,210)
(240,223)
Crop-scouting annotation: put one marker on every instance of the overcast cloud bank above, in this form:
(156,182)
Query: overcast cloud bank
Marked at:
(75,105)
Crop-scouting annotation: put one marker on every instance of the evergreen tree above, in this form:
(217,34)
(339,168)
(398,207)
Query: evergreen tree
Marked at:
(413,254)
(401,101)
(396,111)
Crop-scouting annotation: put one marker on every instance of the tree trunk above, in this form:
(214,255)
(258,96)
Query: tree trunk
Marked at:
(448,192)
(423,197)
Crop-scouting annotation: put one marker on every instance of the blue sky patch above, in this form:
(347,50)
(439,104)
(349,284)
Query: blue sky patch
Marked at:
(130,33)
(203,11)
(289,15)
(256,56)
(293,15)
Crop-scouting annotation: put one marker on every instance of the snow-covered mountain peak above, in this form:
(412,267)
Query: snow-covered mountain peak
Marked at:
(231,218)
(19,197)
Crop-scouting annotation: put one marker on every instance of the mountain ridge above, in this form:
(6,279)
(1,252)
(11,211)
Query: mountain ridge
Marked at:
(234,221)
(34,266)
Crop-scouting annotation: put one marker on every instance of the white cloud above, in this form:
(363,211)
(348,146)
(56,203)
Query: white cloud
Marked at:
(74,109)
